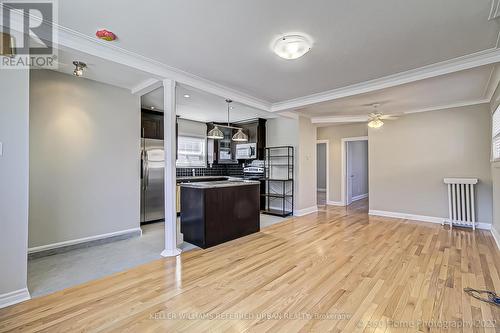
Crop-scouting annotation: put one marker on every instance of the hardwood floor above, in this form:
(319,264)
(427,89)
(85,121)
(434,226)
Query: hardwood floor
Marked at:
(336,270)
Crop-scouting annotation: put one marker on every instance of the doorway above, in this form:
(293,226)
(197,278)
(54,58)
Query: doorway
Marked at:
(322,184)
(354,169)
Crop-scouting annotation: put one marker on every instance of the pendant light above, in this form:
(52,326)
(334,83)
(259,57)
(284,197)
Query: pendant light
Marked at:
(240,136)
(215,133)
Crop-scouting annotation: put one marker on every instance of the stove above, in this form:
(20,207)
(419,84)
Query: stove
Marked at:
(254,171)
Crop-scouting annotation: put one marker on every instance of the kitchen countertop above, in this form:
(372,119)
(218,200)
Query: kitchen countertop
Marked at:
(221,183)
(200,178)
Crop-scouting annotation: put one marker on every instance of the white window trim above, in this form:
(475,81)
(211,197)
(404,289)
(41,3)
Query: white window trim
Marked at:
(495,137)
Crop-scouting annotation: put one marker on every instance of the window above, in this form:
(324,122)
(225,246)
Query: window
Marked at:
(495,131)
(191,152)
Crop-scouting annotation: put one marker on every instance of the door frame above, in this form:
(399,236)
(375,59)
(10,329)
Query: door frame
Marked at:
(344,165)
(327,142)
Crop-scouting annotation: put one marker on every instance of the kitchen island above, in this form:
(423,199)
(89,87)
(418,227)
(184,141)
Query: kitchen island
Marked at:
(215,212)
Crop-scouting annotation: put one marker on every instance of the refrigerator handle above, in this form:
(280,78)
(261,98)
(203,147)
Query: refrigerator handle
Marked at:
(142,167)
(145,169)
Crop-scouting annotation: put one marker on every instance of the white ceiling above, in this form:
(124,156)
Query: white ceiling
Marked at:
(202,106)
(468,86)
(228,41)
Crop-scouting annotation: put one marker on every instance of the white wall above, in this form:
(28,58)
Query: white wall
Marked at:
(84,158)
(306,166)
(409,158)
(334,135)
(321,166)
(14,132)
(284,132)
(300,134)
(358,151)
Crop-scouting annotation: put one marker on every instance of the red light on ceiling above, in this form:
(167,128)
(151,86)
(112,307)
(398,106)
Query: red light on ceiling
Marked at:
(105,35)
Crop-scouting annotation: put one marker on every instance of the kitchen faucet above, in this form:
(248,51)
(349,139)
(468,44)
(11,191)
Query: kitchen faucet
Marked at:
(194,172)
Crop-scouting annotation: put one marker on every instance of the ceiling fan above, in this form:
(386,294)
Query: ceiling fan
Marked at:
(376,117)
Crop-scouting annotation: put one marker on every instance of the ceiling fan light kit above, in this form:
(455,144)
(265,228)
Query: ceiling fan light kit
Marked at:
(376,123)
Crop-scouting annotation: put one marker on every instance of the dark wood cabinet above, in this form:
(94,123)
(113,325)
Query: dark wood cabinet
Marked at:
(152,124)
(256,131)
(212,216)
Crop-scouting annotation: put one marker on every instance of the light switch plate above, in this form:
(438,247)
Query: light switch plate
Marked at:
(1,149)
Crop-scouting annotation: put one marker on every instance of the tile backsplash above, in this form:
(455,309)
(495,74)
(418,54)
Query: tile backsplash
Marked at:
(235,170)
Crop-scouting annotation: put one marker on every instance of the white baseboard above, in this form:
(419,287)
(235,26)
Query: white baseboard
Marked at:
(82,240)
(305,211)
(321,190)
(496,237)
(359,197)
(14,297)
(421,218)
(335,203)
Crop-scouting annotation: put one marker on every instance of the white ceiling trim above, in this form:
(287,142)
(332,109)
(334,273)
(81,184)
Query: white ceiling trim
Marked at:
(364,118)
(339,119)
(74,40)
(492,83)
(450,106)
(146,86)
(446,67)
(71,39)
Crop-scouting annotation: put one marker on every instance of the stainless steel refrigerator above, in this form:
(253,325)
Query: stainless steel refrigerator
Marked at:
(152,180)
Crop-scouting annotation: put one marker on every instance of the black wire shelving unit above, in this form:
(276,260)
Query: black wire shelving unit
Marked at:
(279,169)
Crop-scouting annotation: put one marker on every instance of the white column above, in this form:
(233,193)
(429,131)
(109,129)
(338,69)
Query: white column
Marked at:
(169,121)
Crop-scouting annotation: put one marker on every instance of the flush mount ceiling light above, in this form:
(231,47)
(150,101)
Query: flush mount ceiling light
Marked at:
(186,96)
(79,66)
(292,46)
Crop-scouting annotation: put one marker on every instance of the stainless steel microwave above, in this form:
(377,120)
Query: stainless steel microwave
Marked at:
(246,151)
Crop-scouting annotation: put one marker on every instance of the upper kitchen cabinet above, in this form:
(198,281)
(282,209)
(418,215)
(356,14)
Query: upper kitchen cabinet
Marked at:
(151,124)
(224,150)
(256,131)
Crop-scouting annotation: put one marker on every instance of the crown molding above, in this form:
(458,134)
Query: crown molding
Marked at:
(69,39)
(477,59)
(492,83)
(364,118)
(339,119)
(146,86)
(449,106)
